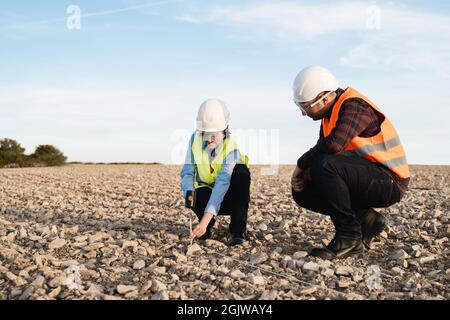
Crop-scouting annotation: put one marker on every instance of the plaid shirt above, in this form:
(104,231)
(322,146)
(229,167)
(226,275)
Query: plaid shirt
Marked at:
(356,118)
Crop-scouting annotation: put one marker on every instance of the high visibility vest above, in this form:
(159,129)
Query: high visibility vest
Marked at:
(384,148)
(206,172)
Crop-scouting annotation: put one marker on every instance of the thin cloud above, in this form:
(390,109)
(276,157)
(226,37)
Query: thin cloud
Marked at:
(288,18)
(131,8)
(303,20)
(404,38)
(33,24)
(188,18)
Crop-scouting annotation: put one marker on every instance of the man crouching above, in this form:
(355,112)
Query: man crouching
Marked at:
(358,163)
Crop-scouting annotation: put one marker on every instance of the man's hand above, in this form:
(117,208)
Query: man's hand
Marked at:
(200,229)
(300,178)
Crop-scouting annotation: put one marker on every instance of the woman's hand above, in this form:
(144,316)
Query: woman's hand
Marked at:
(200,229)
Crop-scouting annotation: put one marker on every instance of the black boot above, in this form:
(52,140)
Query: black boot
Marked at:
(372,224)
(339,248)
(236,239)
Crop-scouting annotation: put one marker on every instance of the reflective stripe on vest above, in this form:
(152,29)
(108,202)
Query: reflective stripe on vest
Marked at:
(204,175)
(385,147)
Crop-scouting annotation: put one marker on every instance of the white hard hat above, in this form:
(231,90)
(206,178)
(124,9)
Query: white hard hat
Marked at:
(213,116)
(312,81)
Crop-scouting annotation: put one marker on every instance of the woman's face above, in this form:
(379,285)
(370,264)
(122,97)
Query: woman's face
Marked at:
(213,139)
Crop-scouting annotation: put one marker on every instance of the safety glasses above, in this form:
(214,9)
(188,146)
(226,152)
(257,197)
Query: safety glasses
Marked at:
(304,107)
(207,135)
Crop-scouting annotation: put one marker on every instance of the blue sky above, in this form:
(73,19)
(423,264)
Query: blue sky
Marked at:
(126,86)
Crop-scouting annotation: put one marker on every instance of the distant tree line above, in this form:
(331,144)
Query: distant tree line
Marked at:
(12,155)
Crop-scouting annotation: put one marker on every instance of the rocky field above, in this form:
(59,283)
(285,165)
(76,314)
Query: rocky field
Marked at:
(119,232)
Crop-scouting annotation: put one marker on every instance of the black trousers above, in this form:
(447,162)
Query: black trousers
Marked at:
(344,187)
(235,203)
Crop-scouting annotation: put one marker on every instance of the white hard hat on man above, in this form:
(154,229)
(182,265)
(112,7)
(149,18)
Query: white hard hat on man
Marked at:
(312,81)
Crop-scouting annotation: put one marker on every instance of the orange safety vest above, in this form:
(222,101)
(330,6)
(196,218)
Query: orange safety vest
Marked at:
(384,148)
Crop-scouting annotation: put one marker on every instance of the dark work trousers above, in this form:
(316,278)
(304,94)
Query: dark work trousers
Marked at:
(235,203)
(342,187)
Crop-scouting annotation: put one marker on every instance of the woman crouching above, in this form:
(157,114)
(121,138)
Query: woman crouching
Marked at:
(215,178)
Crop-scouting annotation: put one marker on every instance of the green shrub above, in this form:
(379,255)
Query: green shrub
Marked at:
(48,155)
(11,153)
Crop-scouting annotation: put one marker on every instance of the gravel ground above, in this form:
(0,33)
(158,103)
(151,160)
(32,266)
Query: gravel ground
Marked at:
(119,232)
